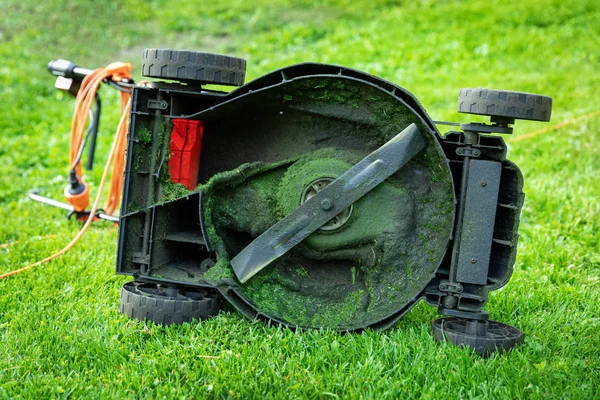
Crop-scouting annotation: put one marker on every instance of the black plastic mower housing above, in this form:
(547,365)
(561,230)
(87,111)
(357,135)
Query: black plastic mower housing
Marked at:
(163,235)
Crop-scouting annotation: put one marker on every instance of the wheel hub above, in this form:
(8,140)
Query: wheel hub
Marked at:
(315,187)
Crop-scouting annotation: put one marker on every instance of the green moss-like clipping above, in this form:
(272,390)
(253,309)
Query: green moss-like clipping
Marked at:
(342,280)
(380,260)
(172,191)
(144,136)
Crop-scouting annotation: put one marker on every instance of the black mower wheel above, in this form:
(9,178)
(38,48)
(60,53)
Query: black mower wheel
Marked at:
(484,336)
(505,104)
(193,67)
(166,305)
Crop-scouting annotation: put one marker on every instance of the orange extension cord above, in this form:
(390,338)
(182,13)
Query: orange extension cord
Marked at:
(121,131)
(116,157)
(85,97)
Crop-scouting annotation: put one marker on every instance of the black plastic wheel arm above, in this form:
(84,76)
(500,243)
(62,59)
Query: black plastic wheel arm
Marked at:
(329,202)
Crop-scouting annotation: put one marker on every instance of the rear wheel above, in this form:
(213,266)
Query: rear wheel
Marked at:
(485,337)
(193,67)
(167,305)
(505,104)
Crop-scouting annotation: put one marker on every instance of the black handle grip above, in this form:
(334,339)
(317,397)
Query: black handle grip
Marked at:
(68,69)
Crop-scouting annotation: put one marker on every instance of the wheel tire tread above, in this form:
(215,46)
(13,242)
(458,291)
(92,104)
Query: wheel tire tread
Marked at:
(505,103)
(191,66)
(137,305)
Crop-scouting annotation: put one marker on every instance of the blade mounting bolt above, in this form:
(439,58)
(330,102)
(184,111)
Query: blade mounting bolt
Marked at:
(326,204)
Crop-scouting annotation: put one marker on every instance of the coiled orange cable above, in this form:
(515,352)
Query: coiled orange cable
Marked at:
(116,157)
(85,97)
(121,130)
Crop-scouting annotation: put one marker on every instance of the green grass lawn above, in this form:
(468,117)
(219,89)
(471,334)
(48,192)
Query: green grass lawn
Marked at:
(61,334)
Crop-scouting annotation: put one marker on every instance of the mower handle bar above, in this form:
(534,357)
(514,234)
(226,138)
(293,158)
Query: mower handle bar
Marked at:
(68,69)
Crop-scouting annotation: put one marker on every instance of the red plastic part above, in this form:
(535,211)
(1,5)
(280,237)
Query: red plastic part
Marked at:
(186,144)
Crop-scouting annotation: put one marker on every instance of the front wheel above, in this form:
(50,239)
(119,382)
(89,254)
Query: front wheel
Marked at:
(167,305)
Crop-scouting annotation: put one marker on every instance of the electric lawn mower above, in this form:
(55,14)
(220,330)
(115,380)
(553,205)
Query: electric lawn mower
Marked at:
(316,196)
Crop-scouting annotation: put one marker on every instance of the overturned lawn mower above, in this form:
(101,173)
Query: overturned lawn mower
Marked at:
(316,196)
